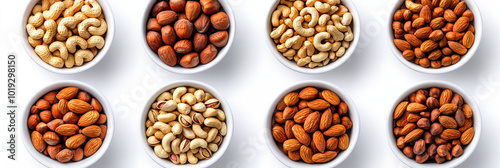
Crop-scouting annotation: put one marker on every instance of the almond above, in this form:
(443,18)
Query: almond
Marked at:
(318,104)
(467,125)
(413,40)
(335,130)
(415,108)
(428,45)
(301,116)
(67,93)
(460,8)
(400,109)
(402,44)
(445,97)
(468,39)
(457,47)
(308,93)
(450,16)
(447,122)
(33,120)
(64,155)
(70,118)
(418,23)
(53,150)
(332,143)
(423,33)
(343,142)
(324,157)
(75,141)
(279,133)
(166,17)
(426,14)
(450,134)
(413,117)
(291,145)
(413,135)
(43,104)
(288,129)
(52,125)
(346,121)
(467,111)
(92,146)
(319,141)
(330,97)
(461,24)
(78,106)
(102,119)
(467,136)
(67,129)
(291,98)
(88,118)
(41,127)
(436,35)
(437,23)
(38,142)
(301,135)
(94,131)
(77,154)
(306,154)
(326,120)
(104,129)
(311,123)
(51,138)
(445,4)
(448,109)
(408,128)
(294,155)
(50,97)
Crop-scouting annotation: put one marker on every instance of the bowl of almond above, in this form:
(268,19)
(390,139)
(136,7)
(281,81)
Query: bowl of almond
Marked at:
(435,36)
(434,124)
(312,124)
(67,124)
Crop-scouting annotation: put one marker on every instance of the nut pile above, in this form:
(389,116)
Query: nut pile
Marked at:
(312,125)
(187,32)
(313,33)
(433,125)
(185,125)
(433,33)
(67,125)
(67,33)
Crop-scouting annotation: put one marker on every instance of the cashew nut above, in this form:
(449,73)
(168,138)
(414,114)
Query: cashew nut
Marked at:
(281,48)
(164,96)
(323,19)
(212,122)
(188,98)
(223,129)
(165,128)
(37,9)
(84,25)
(55,10)
(182,158)
(188,133)
(166,117)
(336,34)
(191,158)
(61,47)
(347,19)
(326,61)
(73,41)
(342,10)
(318,42)
(44,53)
(298,5)
(413,7)
(288,33)
(331,2)
(34,42)
(199,95)
(83,56)
(79,16)
(349,36)
(183,108)
(340,52)
(321,56)
(160,152)
(51,29)
(290,53)
(70,62)
(34,33)
(292,41)
(322,7)
(336,21)
(345,44)
(95,41)
(336,46)
(297,26)
(298,44)
(314,64)
(314,15)
(294,12)
(198,131)
(152,141)
(212,134)
(178,92)
(210,112)
(285,10)
(303,61)
(198,143)
(92,9)
(333,10)
(276,33)
(99,31)
(77,5)
(199,107)
(36,19)
(213,147)
(310,3)
(175,145)
(177,129)
(287,3)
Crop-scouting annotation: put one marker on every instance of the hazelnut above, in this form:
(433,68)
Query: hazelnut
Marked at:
(219,39)
(154,40)
(183,28)
(41,127)
(183,47)
(177,5)
(160,6)
(43,104)
(202,23)
(199,42)
(182,16)
(166,17)
(153,25)
(52,125)
(168,35)
(167,55)
(51,138)
(210,6)
(193,10)
(190,60)
(208,54)
(220,21)
(70,118)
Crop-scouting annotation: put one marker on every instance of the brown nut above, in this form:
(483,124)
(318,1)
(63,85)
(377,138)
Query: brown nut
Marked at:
(153,25)
(167,55)
(220,21)
(193,10)
(160,6)
(219,39)
(166,17)
(177,5)
(183,46)
(43,104)
(190,60)
(33,120)
(154,40)
(199,42)
(208,54)
(210,6)
(183,28)
(96,105)
(168,35)
(202,24)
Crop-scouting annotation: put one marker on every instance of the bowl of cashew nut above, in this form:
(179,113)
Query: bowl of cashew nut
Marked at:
(69,36)
(313,36)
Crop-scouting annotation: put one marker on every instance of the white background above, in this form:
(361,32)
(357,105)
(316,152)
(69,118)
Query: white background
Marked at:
(250,77)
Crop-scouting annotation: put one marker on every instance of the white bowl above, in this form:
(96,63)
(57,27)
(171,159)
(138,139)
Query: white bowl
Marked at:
(46,160)
(332,65)
(108,14)
(225,6)
(353,114)
(467,149)
(478,25)
(201,163)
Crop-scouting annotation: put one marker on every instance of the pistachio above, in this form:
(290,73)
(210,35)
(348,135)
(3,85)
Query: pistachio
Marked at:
(183,108)
(174,158)
(197,118)
(155,106)
(164,96)
(185,120)
(221,115)
(184,147)
(150,131)
(153,115)
(167,105)
(213,122)
(210,112)
(205,153)
(208,96)
(213,103)
(178,92)
(166,117)
(160,152)
(199,95)
(177,129)
(175,145)
(188,98)
(213,147)
(199,107)
(191,90)
(149,123)
(218,139)
(212,134)
(152,141)
(198,131)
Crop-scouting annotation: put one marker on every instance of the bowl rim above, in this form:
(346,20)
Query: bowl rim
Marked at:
(332,65)
(468,150)
(201,67)
(187,83)
(46,160)
(353,114)
(108,14)
(478,25)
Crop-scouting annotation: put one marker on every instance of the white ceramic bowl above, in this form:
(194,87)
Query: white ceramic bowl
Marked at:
(108,14)
(225,6)
(478,25)
(199,85)
(353,114)
(467,149)
(332,65)
(46,160)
